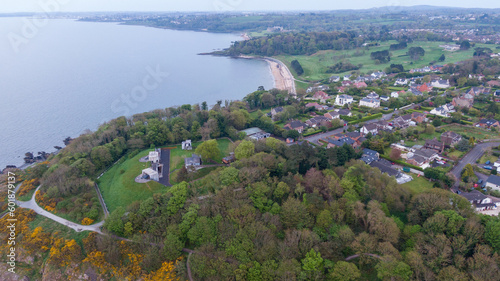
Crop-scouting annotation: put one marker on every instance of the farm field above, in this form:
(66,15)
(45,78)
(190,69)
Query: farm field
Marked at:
(316,65)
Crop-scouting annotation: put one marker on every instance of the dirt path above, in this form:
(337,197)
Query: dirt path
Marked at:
(39,210)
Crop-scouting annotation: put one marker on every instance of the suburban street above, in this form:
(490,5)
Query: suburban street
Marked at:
(471,158)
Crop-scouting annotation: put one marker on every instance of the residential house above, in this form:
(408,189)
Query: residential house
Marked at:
(465,100)
(373,103)
(340,142)
(378,75)
(360,85)
(317,88)
(322,96)
(275,111)
(493,182)
(422,157)
(476,91)
(435,145)
(317,106)
(318,121)
(496,96)
(384,98)
(295,125)
(418,117)
(369,156)
(345,112)
(346,83)
(450,138)
(334,79)
(332,115)
(385,168)
(395,95)
(150,174)
(369,128)
(229,159)
(443,111)
(187,145)
(480,201)
(415,91)
(341,89)
(440,83)
(494,83)
(424,87)
(372,95)
(488,123)
(347,77)
(260,136)
(192,162)
(403,121)
(342,100)
(401,82)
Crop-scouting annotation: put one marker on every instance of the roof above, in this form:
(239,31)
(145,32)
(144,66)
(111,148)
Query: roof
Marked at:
(433,142)
(370,127)
(344,111)
(278,109)
(368,159)
(192,160)
(353,135)
(149,172)
(450,134)
(342,141)
(473,196)
(384,169)
(426,153)
(297,124)
(369,152)
(488,122)
(370,100)
(252,131)
(494,180)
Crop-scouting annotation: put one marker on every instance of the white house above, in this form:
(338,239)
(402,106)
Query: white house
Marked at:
(395,95)
(384,98)
(334,79)
(187,145)
(369,128)
(493,182)
(154,157)
(150,174)
(372,95)
(439,83)
(373,103)
(443,111)
(401,82)
(342,100)
(480,201)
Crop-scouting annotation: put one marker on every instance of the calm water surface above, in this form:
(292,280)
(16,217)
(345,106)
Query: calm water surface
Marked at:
(70,76)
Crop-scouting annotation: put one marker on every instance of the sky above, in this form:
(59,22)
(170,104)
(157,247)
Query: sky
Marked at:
(10,6)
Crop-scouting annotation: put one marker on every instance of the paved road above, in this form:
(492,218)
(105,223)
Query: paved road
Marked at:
(77,227)
(471,158)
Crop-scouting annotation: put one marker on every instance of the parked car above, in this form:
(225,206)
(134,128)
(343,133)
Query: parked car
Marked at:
(488,167)
(386,108)
(488,162)
(479,181)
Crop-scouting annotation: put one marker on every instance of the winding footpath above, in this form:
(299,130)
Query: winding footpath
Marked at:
(32,205)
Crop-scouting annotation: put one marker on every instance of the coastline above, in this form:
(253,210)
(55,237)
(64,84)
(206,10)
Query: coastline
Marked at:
(283,78)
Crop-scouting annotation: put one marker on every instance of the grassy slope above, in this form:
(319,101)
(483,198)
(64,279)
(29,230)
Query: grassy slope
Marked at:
(177,155)
(120,190)
(418,184)
(315,66)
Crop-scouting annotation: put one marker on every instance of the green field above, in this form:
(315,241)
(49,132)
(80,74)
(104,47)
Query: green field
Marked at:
(315,66)
(120,189)
(478,133)
(418,184)
(177,155)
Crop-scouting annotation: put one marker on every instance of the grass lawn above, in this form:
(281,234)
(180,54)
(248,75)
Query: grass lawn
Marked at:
(177,155)
(488,157)
(27,196)
(254,114)
(316,65)
(478,133)
(418,184)
(456,154)
(118,186)
(194,176)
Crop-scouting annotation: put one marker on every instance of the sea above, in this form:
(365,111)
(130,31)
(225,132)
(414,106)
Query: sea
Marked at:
(62,77)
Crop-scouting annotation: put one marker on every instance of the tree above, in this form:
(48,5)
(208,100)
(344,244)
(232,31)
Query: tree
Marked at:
(114,222)
(467,172)
(395,154)
(297,67)
(229,176)
(492,234)
(313,265)
(461,81)
(179,196)
(393,270)
(293,134)
(429,129)
(433,173)
(416,53)
(472,141)
(345,271)
(437,122)
(172,247)
(244,150)
(208,150)
(463,145)
(442,58)
(465,45)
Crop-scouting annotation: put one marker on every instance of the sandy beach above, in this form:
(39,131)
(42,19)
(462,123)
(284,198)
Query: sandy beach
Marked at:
(283,78)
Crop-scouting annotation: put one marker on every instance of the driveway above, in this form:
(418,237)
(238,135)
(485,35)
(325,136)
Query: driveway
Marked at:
(39,210)
(165,160)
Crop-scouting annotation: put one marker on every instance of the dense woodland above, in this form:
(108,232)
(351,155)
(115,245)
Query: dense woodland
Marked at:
(278,213)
